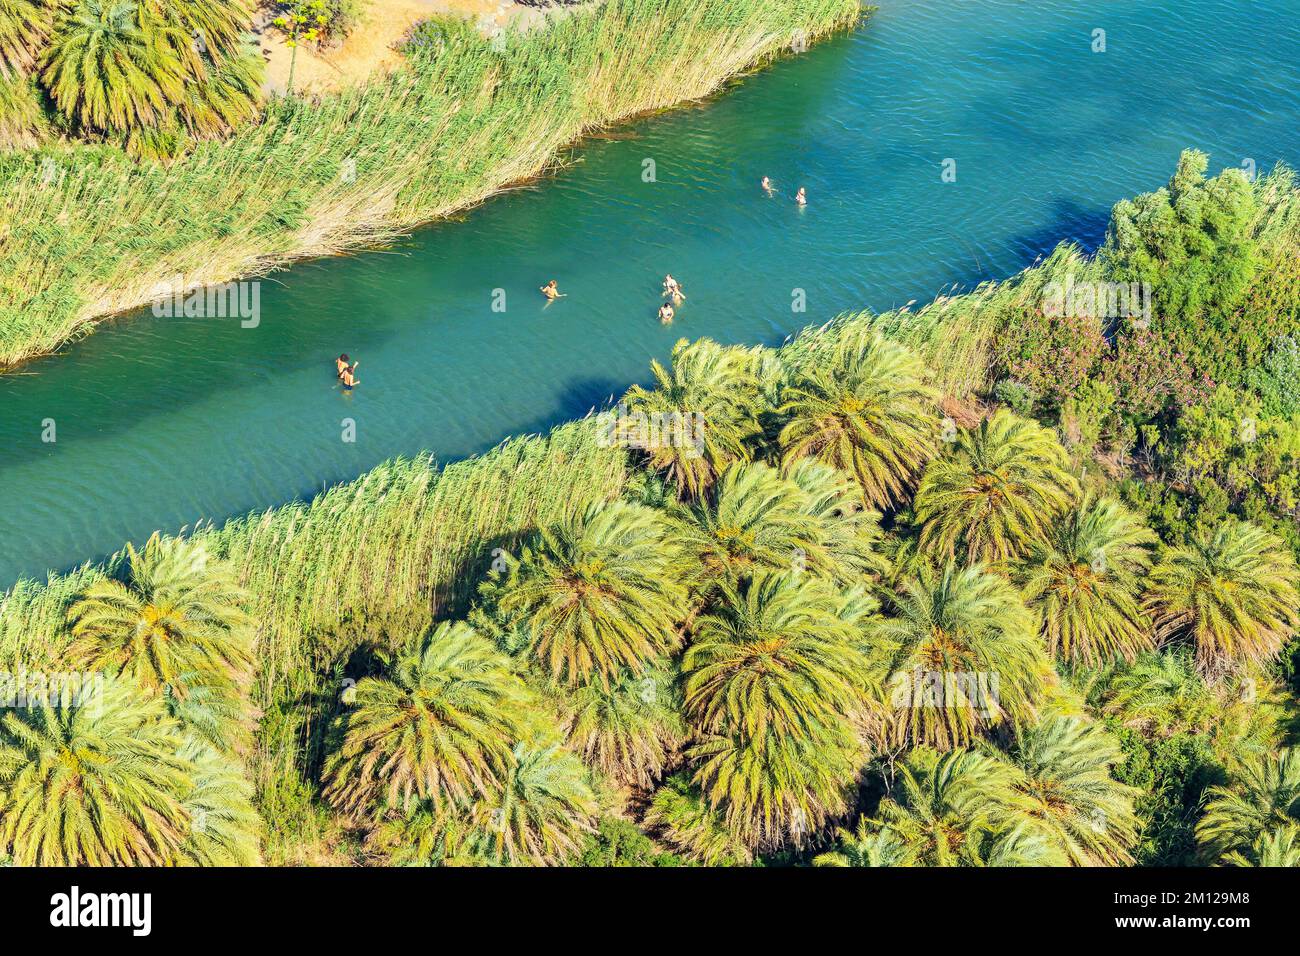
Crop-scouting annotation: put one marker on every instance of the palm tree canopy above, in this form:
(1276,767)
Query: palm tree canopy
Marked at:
(701,416)
(98,783)
(779,689)
(1233,591)
(994,495)
(961,808)
(966,657)
(439,727)
(595,597)
(1070,795)
(866,409)
(180,612)
(1264,795)
(1085,580)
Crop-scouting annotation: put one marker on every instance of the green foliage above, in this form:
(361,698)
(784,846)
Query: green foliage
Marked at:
(1171,774)
(1193,242)
(619,843)
(1085,582)
(775,689)
(1231,593)
(965,658)
(992,496)
(863,407)
(592,598)
(438,727)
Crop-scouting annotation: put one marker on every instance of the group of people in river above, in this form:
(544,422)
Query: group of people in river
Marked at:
(672,288)
(673,295)
(800,197)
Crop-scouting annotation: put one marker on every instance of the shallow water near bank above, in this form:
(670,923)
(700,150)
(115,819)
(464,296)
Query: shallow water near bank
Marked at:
(162,421)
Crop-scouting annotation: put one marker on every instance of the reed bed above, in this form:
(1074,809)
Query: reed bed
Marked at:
(87,232)
(372,561)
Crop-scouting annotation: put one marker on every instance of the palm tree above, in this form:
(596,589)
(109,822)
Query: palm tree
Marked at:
(148,69)
(1085,579)
(850,533)
(778,690)
(1264,795)
(24,30)
(98,783)
(700,417)
(108,71)
(756,521)
(217,24)
(682,819)
(868,845)
(627,731)
(865,409)
(995,494)
(1232,592)
(961,809)
(595,597)
(224,829)
(966,658)
(541,813)
(1065,778)
(438,727)
(1279,847)
(179,613)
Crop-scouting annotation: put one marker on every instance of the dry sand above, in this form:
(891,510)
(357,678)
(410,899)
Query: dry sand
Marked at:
(371,47)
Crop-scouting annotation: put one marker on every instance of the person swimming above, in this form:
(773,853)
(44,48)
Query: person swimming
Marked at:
(767,185)
(801,197)
(666,313)
(673,288)
(340,364)
(552,291)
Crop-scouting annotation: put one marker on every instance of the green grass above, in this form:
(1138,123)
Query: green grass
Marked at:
(87,232)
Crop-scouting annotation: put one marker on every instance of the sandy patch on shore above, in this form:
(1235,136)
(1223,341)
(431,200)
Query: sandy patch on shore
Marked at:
(371,47)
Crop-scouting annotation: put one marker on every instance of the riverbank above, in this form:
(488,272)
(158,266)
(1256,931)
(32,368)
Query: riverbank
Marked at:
(89,233)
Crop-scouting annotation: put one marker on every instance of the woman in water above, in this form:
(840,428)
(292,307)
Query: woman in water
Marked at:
(666,313)
(801,197)
(767,185)
(341,364)
(673,288)
(347,378)
(552,291)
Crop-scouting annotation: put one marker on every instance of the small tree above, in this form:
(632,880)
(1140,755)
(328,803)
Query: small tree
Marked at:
(302,20)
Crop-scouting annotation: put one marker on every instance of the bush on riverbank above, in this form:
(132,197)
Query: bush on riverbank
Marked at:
(89,232)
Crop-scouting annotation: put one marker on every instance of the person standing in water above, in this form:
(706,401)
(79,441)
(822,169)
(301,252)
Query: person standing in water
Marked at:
(801,197)
(767,185)
(673,288)
(341,364)
(666,313)
(552,291)
(346,375)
